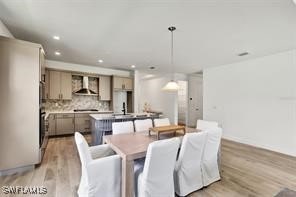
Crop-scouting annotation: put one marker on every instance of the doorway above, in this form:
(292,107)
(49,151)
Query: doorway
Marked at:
(195,99)
(182,102)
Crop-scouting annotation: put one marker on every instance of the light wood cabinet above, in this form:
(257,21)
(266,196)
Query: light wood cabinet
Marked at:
(82,123)
(46,91)
(104,88)
(128,83)
(65,124)
(66,86)
(42,65)
(60,85)
(122,83)
(51,125)
(117,83)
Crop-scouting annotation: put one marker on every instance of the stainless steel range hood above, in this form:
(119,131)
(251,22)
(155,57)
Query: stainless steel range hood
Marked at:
(84,90)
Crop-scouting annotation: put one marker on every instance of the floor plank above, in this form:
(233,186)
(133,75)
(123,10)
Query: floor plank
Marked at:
(246,171)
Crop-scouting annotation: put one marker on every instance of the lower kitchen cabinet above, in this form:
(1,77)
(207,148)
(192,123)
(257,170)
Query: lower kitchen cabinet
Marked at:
(51,124)
(82,123)
(61,124)
(65,124)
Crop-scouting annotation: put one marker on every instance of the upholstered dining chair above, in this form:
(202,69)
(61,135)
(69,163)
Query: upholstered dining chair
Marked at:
(161,122)
(100,170)
(188,174)
(143,125)
(210,161)
(156,177)
(122,127)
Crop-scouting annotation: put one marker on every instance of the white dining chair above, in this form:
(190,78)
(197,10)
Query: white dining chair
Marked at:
(122,127)
(143,125)
(187,174)
(209,164)
(156,179)
(206,125)
(161,122)
(100,170)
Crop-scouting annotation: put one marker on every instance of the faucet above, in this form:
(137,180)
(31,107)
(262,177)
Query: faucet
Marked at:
(123,110)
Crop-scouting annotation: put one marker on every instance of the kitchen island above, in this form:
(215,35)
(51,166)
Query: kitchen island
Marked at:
(101,124)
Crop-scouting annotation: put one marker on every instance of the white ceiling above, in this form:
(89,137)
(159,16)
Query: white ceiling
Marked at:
(126,32)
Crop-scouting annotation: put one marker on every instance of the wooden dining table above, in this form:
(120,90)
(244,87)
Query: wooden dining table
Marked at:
(132,146)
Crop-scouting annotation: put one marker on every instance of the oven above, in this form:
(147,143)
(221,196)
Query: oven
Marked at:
(43,133)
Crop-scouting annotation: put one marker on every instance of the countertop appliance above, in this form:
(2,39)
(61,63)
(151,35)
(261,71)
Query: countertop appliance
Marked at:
(43,127)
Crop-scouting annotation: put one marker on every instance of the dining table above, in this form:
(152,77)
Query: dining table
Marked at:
(132,146)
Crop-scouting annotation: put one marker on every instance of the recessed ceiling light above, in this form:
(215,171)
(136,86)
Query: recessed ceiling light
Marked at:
(148,76)
(56,37)
(100,61)
(57,53)
(151,67)
(133,66)
(243,54)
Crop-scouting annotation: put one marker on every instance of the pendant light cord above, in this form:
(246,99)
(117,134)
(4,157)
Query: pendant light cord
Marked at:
(172,55)
(172,29)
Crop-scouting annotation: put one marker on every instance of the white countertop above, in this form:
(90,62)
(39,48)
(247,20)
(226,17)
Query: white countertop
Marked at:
(80,112)
(128,116)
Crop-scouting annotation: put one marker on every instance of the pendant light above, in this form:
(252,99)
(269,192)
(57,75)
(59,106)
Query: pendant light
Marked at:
(172,85)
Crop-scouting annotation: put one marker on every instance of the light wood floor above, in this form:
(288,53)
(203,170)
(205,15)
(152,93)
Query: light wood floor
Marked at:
(246,171)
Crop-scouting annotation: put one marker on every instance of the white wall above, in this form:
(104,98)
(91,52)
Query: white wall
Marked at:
(255,101)
(85,68)
(149,90)
(4,31)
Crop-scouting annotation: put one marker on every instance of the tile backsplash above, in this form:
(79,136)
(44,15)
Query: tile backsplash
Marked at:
(79,101)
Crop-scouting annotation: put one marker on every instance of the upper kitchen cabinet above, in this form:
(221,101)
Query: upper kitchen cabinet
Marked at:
(46,90)
(104,88)
(60,85)
(122,83)
(42,64)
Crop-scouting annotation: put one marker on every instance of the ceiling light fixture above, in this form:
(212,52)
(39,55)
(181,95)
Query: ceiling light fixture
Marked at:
(56,37)
(100,61)
(133,66)
(57,53)
(151,67)
(172,85)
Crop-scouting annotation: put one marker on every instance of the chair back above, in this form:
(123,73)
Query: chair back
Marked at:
(206,125)
(83,149)
(143,125)
(210,167)
(122,127)
(161,122)
(188,175)
(192,144)
(159,168)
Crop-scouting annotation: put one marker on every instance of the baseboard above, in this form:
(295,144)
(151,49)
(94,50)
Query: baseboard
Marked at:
(16,170)
(259,148)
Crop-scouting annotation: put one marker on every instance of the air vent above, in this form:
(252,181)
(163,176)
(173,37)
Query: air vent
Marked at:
(243,54)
